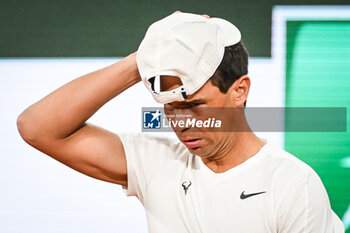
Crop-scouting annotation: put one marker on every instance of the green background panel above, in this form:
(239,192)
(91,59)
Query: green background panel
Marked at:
(318,75)
(105,28)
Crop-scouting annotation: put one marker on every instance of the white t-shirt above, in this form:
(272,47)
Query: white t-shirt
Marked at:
(273,191)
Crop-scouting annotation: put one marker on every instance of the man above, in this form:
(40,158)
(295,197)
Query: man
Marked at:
(208,181)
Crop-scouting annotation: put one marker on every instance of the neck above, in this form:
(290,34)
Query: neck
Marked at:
(238,148)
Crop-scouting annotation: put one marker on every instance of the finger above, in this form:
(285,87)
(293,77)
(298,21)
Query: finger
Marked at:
(177,12)
(206,16)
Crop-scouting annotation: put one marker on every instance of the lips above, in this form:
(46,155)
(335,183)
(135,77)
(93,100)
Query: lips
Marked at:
(192,143)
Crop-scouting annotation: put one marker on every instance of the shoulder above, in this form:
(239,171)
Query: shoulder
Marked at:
(147,143)
(144,138)
(286,165)
(289,175)
(293,177)
(300,200)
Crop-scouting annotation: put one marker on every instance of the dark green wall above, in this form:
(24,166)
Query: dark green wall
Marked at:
(91,28)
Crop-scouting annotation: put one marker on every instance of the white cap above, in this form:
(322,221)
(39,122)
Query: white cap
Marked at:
(185,45)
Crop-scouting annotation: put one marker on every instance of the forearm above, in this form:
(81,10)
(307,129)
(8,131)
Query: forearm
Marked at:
(63,111)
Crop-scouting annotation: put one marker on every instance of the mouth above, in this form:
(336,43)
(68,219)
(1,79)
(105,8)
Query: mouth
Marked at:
(192,143)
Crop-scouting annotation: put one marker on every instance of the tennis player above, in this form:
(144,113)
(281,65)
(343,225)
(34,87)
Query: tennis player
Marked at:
(205,182)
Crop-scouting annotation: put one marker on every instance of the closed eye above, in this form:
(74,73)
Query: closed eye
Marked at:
(185,104)
(196,103)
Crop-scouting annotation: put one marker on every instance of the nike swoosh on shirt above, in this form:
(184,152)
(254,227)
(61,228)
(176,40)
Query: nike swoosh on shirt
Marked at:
(244,196)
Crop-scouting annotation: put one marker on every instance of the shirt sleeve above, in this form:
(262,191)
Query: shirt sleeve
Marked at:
(304,207)
(147,157)
(135,170)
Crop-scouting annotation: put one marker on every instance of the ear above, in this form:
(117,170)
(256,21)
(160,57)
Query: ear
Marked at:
(240,90)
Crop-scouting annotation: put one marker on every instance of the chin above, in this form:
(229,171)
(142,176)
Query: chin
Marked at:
(199,151)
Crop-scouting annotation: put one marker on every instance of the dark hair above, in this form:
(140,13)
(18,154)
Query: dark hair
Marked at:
(233,66)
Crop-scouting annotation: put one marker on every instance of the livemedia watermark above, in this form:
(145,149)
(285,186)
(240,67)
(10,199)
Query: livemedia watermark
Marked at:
(260,119)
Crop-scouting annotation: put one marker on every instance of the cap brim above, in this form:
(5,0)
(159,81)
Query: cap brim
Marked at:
(231,32)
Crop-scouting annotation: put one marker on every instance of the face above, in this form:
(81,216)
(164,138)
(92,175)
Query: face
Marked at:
(199,141)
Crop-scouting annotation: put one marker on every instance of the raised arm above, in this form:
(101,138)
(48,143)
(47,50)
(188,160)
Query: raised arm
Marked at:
(56,124)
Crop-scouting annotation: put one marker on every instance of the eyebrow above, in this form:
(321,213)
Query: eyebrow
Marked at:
(196,101)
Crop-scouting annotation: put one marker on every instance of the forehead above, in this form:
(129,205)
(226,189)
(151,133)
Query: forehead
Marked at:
(207,91)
